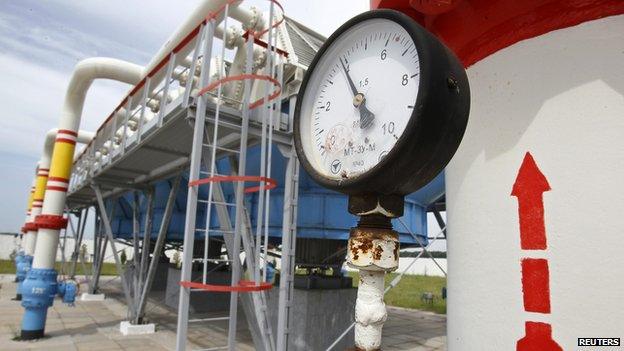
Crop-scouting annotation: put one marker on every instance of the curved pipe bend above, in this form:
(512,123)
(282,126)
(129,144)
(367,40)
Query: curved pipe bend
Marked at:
(85,72)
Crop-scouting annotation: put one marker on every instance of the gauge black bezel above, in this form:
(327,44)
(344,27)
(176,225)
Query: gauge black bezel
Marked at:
(436,125)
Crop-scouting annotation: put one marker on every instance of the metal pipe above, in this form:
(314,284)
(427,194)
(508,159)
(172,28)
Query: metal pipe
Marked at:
(41,181)
(41,278)
(61,161)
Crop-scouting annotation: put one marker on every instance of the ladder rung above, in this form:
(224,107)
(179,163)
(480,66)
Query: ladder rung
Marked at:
(222,148)
(196,320)
(215,230)
(214,174)
(213,259)
(217,203)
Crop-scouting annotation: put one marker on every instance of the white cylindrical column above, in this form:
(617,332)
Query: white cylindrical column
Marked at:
(84,74)
(559,97)
(41,182)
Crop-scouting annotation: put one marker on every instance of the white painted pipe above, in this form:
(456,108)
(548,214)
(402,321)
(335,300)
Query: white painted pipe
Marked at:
(83,137)
(247,17)
(54,202)
(370,310)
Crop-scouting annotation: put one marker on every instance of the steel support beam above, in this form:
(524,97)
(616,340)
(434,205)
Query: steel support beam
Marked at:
(111,239)
(160,242)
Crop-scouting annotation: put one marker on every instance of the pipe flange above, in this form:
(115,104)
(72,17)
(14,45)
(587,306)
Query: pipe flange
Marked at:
(39,288)
(51,222)
(257,20)
(233,37)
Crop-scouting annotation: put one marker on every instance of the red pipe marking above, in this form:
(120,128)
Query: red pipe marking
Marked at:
(529,188)
(535,285)
(58,179)
(475,29)
(56,188)
(538,338)
(66,141)
(67,131)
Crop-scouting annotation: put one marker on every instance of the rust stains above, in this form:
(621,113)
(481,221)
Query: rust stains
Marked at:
(377,253)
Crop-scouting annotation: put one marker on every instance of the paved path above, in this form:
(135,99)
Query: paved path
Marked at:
(94,326)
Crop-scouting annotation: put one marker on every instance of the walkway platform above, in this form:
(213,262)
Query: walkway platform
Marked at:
(94,326)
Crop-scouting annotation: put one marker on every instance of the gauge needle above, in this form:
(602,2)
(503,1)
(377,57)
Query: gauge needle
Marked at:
(359,101)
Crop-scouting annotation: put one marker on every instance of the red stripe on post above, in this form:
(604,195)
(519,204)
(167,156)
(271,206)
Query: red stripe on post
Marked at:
(535,285)
(56,188)
(68,141)
(67,131)
(58,179)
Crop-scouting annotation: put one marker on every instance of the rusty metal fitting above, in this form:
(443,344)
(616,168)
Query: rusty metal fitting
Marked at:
(373,249)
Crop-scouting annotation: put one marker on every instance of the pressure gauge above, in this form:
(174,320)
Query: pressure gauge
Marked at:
(382,107)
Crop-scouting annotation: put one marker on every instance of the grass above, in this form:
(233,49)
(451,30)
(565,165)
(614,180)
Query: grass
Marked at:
(8,267)
(408,292)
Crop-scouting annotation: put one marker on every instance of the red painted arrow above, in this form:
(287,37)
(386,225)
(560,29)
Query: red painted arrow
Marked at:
(529,187)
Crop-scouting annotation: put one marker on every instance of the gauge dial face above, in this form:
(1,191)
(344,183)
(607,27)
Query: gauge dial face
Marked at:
(359,98)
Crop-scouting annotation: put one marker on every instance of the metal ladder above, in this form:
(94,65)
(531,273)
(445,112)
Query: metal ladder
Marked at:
(254,303)
(289,241)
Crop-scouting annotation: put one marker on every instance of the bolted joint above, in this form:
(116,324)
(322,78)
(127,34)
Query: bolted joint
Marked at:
(373,249)
(391,206)
(51,222)
(39,288)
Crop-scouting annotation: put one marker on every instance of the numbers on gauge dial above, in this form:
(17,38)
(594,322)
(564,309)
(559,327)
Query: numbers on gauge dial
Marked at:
(362,94)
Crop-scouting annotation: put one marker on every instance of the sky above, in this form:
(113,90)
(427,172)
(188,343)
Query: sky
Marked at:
(41,42)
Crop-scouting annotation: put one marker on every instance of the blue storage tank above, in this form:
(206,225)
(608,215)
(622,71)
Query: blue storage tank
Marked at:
(322,213)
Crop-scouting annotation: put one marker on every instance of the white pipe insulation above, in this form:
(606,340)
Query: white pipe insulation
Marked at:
(83,137)
(61,161)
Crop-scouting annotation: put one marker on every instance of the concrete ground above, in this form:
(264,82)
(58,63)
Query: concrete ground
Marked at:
(94,326)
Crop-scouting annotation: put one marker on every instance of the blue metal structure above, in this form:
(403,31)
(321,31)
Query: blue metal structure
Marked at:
(322,212)
(38,291)
(22,266)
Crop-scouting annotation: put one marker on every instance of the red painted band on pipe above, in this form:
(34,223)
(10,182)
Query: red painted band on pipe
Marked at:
(51,222)
(67,141)
(476,29)
(58,179)
(270,183)
(243,286)
(241,77)
(30,227)
(67,131)
(57,188)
